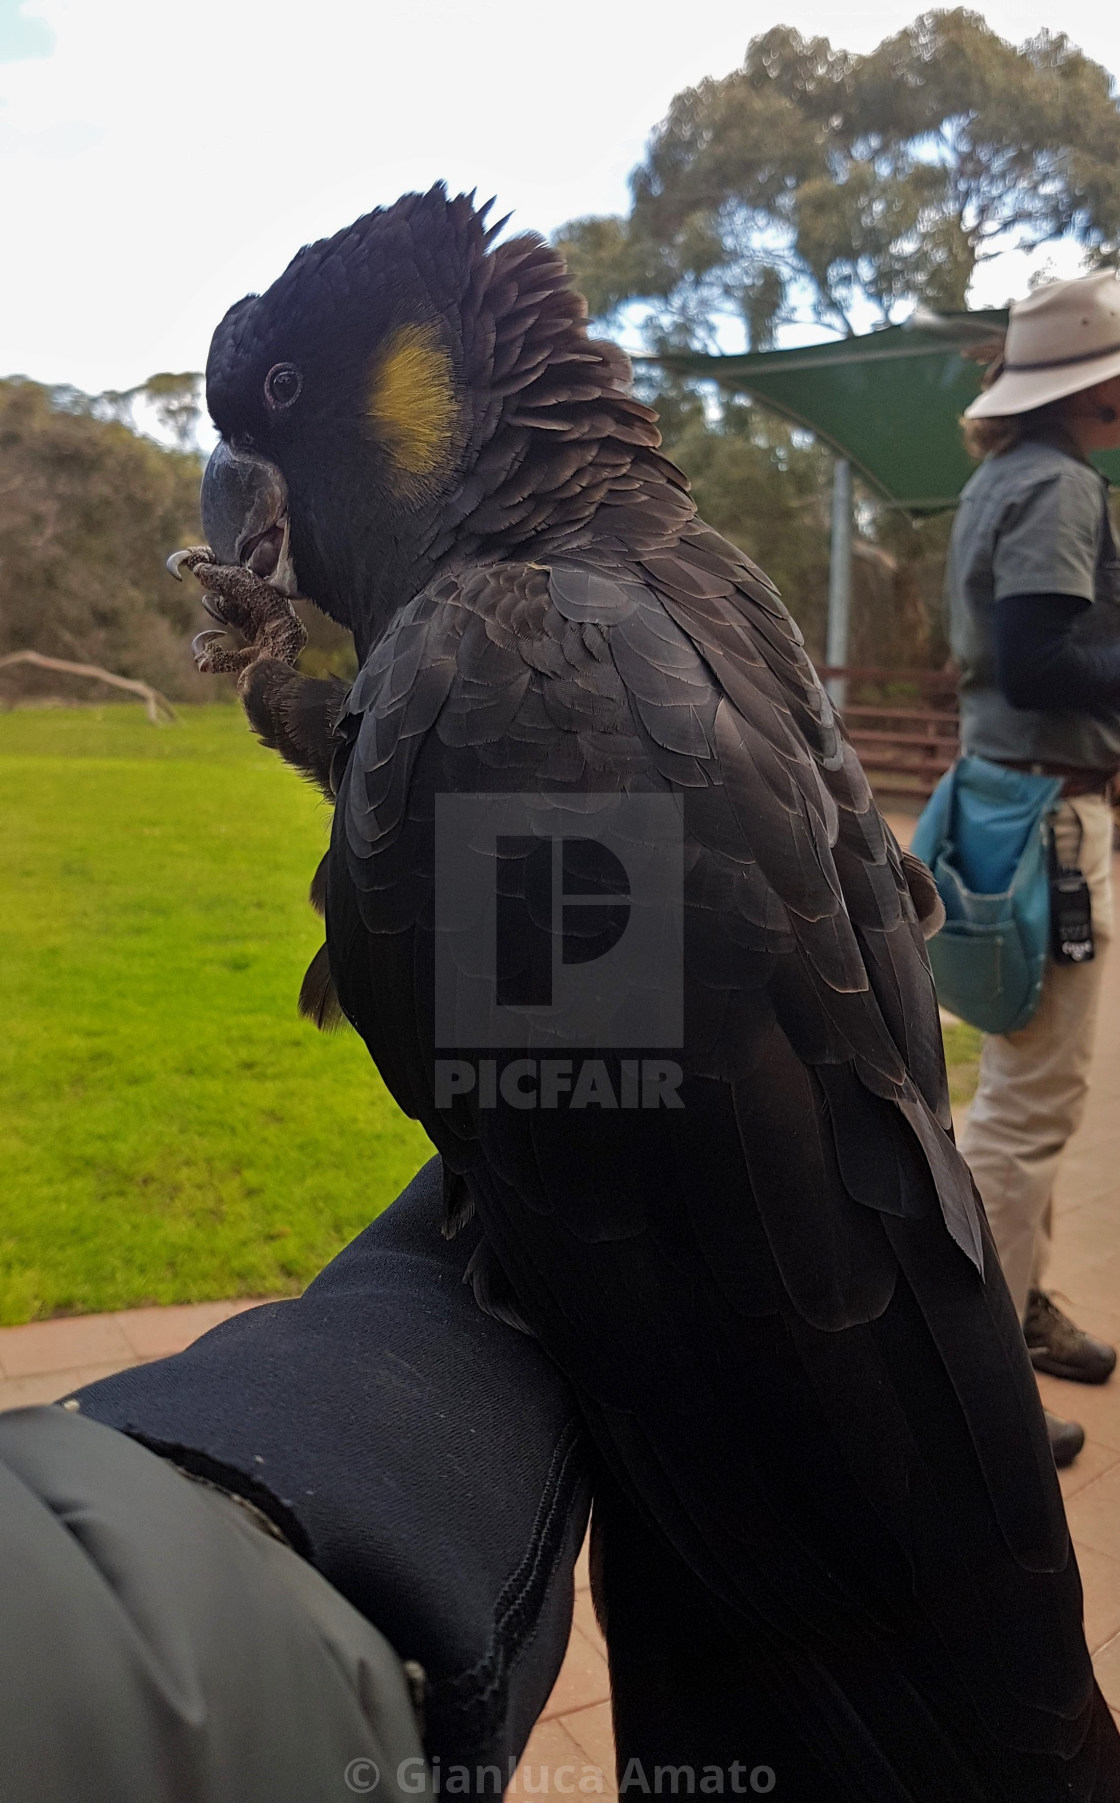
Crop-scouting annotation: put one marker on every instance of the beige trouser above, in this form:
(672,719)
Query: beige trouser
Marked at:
(1033,1083)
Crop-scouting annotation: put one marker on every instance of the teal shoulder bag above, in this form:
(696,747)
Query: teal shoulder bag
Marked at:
(984,835)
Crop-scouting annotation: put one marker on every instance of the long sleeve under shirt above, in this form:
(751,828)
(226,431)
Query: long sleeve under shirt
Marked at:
(1040,663)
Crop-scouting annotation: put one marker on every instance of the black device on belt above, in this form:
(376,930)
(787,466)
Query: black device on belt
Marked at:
(1071,912)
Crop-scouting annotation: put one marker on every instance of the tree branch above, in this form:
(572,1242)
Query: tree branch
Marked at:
(159,710)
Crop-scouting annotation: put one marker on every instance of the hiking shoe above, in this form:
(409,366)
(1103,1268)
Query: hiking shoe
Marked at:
(1066,1439)
(1061,1349)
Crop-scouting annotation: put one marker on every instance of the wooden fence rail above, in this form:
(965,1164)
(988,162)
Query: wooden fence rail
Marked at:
(904,724)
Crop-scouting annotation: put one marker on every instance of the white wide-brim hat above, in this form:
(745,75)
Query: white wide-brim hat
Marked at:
(1062,338)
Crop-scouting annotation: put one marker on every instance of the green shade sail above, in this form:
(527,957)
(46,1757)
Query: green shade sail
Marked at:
(888,401)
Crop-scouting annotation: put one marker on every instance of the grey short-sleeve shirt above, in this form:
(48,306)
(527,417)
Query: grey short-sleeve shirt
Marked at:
(1032,522)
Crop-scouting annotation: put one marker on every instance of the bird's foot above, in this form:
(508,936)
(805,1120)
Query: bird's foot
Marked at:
(237,598)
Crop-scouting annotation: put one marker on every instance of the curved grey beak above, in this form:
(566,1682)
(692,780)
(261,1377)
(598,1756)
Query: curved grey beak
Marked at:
(245,515)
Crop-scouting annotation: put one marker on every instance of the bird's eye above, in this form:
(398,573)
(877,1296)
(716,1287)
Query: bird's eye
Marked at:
(282,385)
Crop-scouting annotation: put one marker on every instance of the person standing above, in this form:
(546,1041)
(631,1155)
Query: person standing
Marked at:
(1033,590)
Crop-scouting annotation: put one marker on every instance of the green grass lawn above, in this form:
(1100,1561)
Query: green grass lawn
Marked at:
(962,1052)
(171,1130)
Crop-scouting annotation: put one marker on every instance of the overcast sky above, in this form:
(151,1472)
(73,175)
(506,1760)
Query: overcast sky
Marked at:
(159,161)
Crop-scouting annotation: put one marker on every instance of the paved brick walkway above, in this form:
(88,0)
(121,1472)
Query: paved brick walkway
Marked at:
(44,1360)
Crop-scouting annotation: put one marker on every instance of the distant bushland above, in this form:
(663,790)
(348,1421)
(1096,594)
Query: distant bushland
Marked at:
(90,509)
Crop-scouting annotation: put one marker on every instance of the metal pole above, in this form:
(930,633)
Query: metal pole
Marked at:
(840,578)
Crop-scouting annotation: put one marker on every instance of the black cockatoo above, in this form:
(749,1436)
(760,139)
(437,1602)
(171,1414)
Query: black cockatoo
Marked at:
(717,1181)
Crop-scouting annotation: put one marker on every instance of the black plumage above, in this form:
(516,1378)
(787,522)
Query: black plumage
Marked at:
(778,1303)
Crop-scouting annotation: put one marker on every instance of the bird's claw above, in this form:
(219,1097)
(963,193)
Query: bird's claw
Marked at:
(238,598)
(188,560)
(201,651)
(212,608)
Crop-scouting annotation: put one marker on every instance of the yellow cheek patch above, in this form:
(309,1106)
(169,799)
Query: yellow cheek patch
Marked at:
(412,399)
